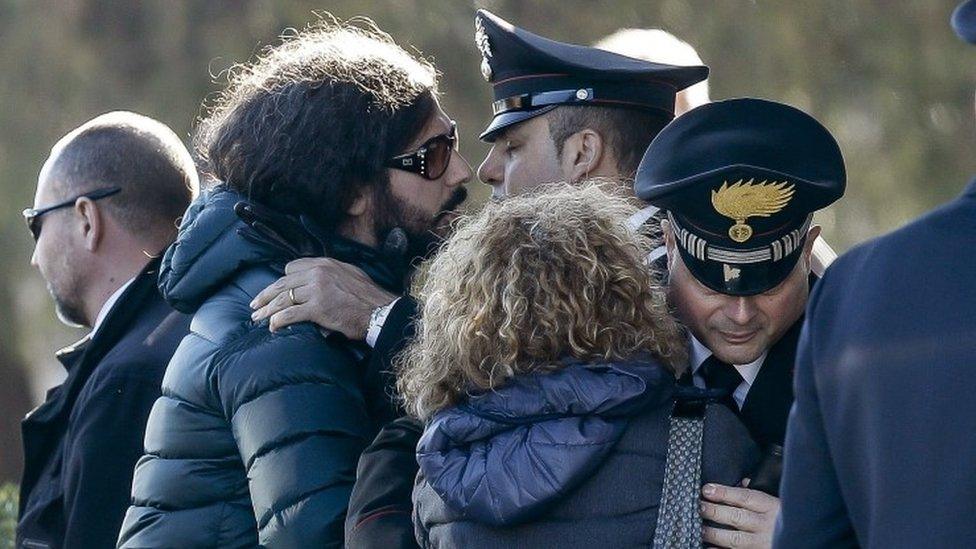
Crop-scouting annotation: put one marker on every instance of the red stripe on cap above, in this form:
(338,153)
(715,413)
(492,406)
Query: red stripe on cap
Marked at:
(527,76)
(562,75)
(644,106)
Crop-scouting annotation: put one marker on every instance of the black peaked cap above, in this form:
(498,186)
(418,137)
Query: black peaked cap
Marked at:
(740,179)
(531,75)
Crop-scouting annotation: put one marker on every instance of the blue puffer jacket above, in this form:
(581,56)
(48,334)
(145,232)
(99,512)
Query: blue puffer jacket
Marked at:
(572,458)
(256,436)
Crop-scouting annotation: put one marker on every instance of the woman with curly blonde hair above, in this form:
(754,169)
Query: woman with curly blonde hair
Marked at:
(544,368)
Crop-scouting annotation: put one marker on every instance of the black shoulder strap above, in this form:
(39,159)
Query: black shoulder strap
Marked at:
(679,525)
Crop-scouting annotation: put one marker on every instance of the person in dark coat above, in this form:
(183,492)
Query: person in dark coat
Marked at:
(546,383)
(107,201)
(336,132)
(880,443)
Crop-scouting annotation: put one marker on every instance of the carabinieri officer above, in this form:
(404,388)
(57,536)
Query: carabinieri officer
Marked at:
(739,181)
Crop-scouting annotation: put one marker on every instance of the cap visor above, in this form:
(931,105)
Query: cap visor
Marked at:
(506,119)
(741,279)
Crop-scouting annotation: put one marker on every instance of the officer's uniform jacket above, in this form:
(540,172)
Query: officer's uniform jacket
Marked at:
(767,403)
(881,445)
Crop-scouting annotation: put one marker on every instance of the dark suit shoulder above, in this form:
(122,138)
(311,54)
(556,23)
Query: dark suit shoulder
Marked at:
(148,343)
(925,264)
(139,357)
(935,232)
(112,374)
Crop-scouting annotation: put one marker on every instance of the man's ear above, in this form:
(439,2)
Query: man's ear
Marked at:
(362,204)
(583,154)
(669,243)
(90,222)
(812,235)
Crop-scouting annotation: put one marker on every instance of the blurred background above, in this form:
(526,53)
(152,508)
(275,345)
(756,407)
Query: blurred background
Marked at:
(888,78)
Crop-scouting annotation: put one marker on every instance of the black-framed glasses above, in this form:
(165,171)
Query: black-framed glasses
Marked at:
(32,216)
(432,158)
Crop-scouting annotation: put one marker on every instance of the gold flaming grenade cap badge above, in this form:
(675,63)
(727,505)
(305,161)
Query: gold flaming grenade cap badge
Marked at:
(745,199)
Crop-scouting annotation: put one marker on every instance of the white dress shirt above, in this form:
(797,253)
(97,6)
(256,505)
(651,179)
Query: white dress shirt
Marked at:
(107,307)
(700,353)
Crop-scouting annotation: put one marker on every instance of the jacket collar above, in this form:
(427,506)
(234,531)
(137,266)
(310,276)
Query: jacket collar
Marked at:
(81,357)
(69,355)
(215,245)
(388,271)
(493,458)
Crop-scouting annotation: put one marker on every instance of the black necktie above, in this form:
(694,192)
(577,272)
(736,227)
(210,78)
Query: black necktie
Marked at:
(723,376)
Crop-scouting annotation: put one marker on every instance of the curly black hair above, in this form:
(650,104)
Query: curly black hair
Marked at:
(308,125)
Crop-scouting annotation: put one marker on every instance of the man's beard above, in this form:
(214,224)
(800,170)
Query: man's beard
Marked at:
(66,305)
(424,234)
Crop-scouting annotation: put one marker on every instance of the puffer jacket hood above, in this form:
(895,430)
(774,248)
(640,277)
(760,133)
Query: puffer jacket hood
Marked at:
(256,436)
(211,249)
(504,455)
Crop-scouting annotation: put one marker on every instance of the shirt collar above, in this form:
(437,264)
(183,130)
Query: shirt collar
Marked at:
(700,353)
(107,307)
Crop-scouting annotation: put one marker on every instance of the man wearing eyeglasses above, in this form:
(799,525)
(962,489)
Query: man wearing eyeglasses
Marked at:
(107,203)
(332,142)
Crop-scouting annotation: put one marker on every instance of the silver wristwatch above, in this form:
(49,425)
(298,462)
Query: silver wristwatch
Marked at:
(376,320)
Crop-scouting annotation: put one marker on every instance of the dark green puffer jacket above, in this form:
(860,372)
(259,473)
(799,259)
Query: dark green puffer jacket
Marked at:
(256,436)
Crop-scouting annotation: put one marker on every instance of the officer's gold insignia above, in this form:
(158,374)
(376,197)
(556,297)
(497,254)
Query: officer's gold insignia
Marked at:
(743,200)
(481,39)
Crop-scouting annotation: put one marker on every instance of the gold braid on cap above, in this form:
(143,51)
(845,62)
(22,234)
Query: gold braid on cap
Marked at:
(745,199)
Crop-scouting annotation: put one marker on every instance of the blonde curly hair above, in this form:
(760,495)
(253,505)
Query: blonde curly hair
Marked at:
(528,281)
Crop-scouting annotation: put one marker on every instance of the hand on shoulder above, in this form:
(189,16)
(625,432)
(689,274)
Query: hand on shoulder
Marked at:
(334,295)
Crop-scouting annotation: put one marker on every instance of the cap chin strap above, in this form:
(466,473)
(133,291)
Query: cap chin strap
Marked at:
(541,99)
(636,221)
(656,253)
(641,216)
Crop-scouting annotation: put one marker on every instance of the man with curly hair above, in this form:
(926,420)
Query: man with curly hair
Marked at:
(594,123)
(336,136)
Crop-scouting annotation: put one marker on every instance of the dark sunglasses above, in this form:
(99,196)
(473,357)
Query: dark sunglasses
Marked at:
(432,158)
(32,216)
